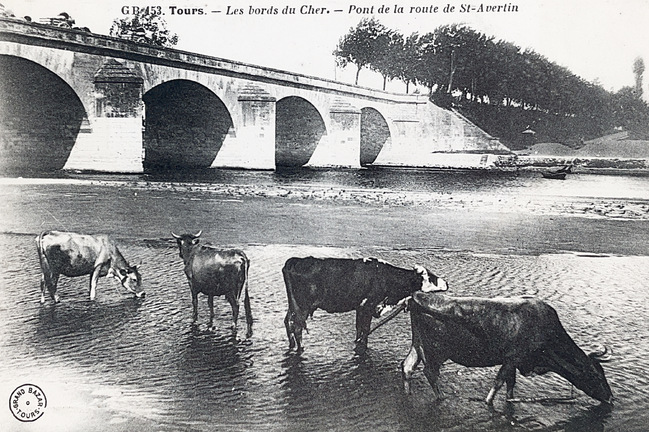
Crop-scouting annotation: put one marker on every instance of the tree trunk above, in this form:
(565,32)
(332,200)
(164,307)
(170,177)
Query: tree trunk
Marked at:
(451,73)
(385,79)
(358,71)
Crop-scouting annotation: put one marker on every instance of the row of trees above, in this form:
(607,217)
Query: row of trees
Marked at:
(483,76)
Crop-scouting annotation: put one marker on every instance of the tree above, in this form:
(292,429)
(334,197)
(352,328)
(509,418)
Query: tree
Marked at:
(638,70)
(146,26)
(389,55)
(409,60)
(361,45)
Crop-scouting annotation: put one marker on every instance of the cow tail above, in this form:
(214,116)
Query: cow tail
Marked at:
(246,296)
(41,252)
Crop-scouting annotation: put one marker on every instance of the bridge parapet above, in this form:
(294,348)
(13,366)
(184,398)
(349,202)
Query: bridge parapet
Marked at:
(31,33)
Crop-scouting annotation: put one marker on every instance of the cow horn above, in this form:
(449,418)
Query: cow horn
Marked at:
(176,236)
(419,269)
(198,234)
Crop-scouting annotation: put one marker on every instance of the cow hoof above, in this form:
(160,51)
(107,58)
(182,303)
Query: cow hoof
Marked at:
(360,349)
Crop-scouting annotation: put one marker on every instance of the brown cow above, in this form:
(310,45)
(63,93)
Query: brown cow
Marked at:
(215,272)
(72,255)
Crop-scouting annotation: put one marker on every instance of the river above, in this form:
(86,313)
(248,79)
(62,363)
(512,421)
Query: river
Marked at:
(119,364)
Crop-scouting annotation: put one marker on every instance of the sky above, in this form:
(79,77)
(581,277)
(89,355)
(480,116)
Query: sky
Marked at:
(597,40)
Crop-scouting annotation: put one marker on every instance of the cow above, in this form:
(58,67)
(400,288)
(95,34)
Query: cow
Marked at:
(517,333)
(72,255)
(215,272)
(343,285)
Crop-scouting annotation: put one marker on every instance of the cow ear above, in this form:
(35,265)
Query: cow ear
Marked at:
(195,241)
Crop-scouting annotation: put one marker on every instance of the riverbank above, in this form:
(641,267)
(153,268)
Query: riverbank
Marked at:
(532,201)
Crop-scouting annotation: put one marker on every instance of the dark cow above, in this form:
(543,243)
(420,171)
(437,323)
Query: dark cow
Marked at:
(215,272)
(343,285)
(518,333)
(72,255)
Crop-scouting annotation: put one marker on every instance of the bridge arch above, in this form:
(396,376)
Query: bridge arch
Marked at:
(185,125)
(299,127)
(41,116)
(375,134)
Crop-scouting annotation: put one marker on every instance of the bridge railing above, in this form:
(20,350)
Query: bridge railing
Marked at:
(31,33)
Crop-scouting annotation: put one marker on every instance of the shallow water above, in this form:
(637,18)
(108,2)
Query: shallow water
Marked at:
(124,364)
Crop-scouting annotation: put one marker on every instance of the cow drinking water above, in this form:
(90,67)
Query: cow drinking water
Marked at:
(517,333)
(343,285)
(215,272)
(72,255)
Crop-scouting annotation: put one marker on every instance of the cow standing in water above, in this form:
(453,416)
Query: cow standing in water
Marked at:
(343,285)
(72,255)
(517,333)
(215,272)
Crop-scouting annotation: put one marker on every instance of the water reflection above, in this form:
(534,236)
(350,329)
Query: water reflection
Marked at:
(82,319)
(592,419)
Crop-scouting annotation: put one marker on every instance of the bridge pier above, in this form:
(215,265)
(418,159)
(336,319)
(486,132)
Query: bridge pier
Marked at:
(113,139)
(341,146)
(253,147)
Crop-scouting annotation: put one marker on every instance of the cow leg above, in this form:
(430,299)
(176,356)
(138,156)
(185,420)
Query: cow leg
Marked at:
(42,288)
(289,323)
(235,309)
(210,304)
(363,322)
(408,366)
(93,282)
(511,382)
(431,371)
(194,306)
(54,282)
(504,374)
(50,281)
(294,326)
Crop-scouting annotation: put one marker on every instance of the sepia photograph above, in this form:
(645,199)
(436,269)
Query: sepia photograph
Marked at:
(346,216)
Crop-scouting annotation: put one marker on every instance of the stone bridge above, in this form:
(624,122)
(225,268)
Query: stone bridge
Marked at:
(82,101)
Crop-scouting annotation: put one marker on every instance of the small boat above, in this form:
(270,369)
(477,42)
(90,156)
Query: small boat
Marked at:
(554,175)
(558,174)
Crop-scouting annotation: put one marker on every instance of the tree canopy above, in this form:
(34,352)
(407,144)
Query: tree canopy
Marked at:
(497,84)
(146,26)
(363,45)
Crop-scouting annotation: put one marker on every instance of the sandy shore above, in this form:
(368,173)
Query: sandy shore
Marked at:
(624,209)
(546,205)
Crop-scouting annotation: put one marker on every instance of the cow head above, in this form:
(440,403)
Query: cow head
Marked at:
(186,243)
(130,279)
(592,380)
(430,282)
